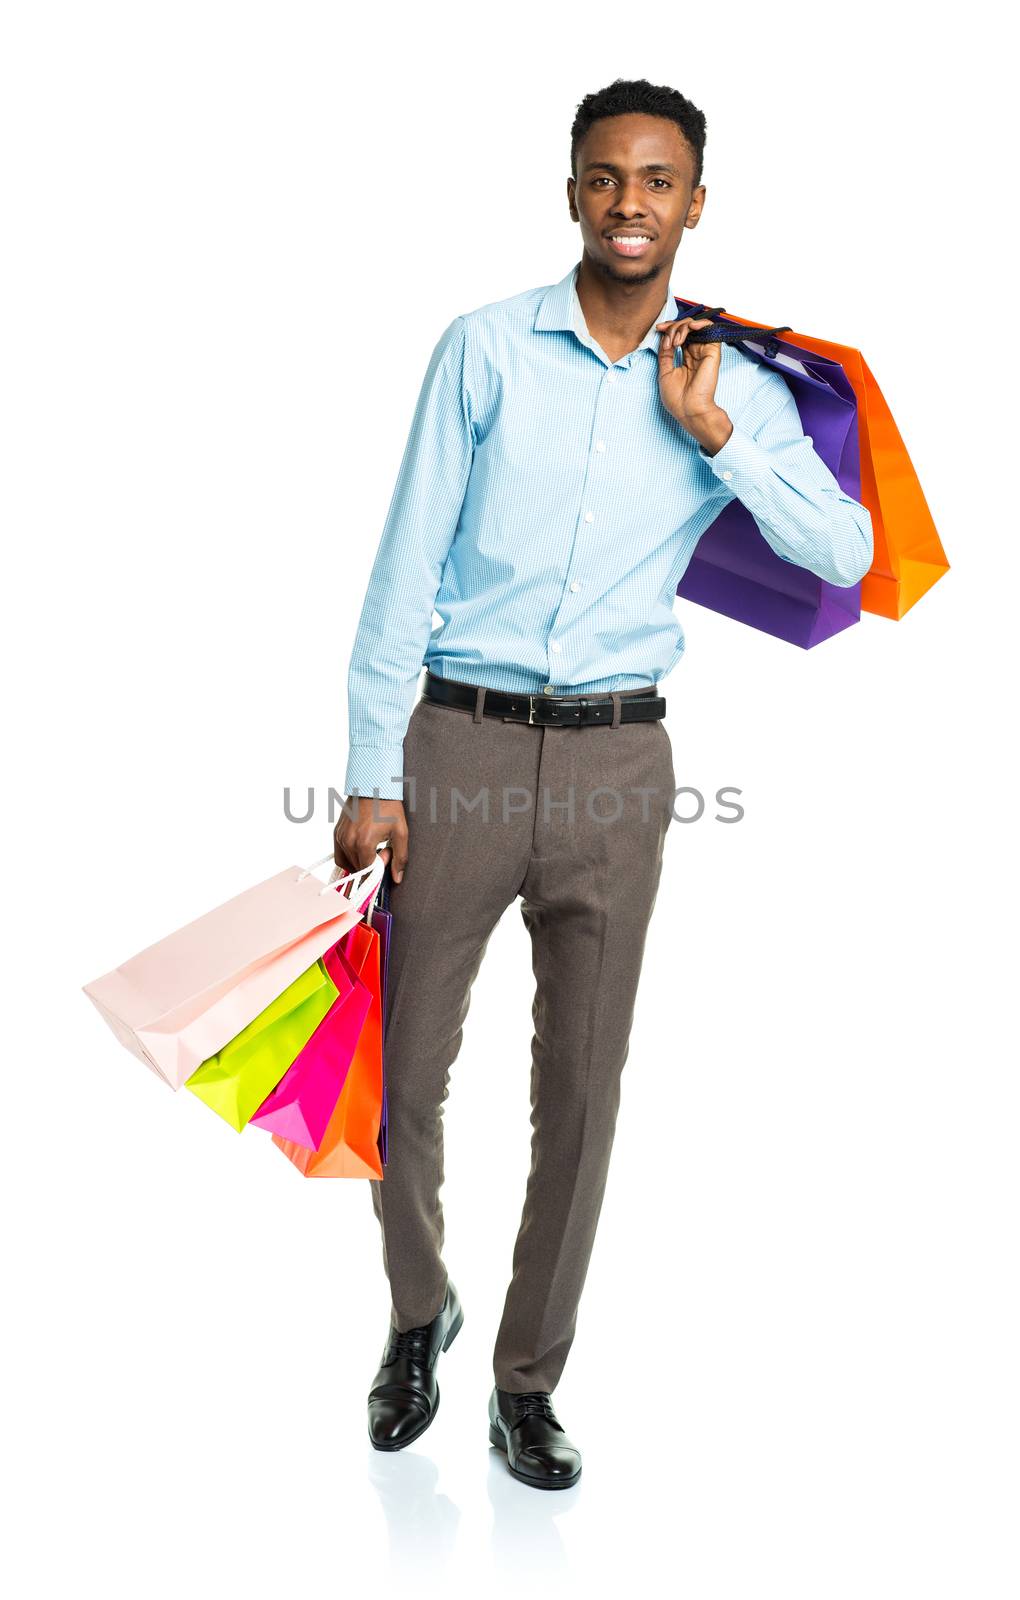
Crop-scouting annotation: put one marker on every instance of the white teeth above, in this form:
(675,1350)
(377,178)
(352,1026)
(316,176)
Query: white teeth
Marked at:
(630,238)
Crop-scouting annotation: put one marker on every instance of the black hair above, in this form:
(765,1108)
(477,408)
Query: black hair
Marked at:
(626,95)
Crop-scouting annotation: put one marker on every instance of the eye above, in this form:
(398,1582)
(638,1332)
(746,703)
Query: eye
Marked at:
(604,179)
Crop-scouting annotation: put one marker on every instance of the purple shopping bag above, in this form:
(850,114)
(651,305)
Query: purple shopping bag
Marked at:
(381,919)
(734,570)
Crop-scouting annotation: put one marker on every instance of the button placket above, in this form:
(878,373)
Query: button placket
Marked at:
(574,585)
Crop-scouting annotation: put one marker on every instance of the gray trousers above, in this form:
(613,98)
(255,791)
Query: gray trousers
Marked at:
(555,816)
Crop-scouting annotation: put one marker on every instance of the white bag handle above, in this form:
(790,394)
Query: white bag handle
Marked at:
(370,876)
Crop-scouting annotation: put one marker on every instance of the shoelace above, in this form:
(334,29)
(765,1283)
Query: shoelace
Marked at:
(732,332)
(414,1344)
(532,1405)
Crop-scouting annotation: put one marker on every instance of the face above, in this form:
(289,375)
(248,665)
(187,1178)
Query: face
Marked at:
(635,177)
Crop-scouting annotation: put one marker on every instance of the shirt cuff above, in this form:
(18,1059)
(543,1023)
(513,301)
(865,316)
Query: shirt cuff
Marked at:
(375,768)
(741,464)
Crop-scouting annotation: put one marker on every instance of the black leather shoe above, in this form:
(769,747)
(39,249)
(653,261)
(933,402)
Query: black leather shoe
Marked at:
(537,1449)
(404,1397)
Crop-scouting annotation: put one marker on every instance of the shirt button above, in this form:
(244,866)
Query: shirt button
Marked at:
(555,646)
(601,445)
(574,588)
(727,474)
(549,689)
(610,377)
(589,516)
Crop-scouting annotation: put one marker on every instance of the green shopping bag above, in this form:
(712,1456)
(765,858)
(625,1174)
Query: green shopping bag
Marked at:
(235,1082)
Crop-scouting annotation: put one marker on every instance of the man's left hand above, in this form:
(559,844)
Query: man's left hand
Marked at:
(688,392)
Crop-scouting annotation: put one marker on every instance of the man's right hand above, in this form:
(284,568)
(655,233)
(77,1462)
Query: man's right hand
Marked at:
(356,837)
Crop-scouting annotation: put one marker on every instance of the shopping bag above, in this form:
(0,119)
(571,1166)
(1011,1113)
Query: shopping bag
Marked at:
(178,1002)
(304,1099)
(908,557)
(734,570)
(236,1081)
(350,1145)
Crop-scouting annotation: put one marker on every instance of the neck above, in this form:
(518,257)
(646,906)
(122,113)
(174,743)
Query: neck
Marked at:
(621,310)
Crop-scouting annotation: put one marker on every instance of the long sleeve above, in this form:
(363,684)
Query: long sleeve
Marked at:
(772,467)
(396,618)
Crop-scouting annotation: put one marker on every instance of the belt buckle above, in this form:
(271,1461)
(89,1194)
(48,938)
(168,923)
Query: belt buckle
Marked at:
(531,709)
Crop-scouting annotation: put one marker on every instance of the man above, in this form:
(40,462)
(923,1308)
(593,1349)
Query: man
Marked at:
(560,471)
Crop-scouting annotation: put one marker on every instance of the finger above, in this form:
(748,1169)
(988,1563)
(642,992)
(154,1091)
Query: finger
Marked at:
(356,857)
(667,351)
(699,322)
(670,331)
(679,322)
(702,354)
(667,359)
(340,856)
(399,860)
(675,332)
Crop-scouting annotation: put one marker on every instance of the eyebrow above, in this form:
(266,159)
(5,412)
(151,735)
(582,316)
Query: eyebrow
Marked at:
(650,166)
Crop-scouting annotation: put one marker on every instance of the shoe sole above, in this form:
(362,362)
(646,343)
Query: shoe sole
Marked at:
(496,1438)
(401,1444)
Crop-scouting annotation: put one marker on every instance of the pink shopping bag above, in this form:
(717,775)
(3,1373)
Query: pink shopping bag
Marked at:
(301,1105)
(181,1000)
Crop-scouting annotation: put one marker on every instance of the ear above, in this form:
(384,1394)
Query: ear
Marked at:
(696,207)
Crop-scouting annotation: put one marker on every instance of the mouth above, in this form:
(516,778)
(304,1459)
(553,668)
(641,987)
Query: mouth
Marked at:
(629,244)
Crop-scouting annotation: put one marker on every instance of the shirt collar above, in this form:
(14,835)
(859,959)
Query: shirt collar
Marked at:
(560,310)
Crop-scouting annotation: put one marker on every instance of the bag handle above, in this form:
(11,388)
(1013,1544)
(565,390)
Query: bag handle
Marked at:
(732,332)
(371,875)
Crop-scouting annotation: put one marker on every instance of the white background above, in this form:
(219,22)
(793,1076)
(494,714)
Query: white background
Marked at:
(234,234)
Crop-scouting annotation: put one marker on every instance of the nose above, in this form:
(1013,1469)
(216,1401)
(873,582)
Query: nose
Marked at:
(630,201)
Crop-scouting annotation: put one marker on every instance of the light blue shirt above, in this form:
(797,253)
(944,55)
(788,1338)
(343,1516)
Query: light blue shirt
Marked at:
(547,506)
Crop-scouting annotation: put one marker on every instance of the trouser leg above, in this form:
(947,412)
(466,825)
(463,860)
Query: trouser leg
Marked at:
(464,868)
(587,898)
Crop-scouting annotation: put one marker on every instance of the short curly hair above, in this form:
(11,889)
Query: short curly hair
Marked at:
(627,95)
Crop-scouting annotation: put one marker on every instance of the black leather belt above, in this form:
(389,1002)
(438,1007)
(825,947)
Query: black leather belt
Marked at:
(546,710)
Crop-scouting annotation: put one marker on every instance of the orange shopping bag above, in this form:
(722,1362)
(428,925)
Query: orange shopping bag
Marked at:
(350,1145)
(909,557)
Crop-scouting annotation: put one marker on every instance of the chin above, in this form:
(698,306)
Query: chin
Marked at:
(637,271)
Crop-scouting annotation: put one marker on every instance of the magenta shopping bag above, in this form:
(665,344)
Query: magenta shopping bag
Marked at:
(302,1103)
(734,570)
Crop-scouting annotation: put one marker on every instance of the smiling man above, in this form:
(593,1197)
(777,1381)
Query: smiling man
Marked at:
(568,451)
